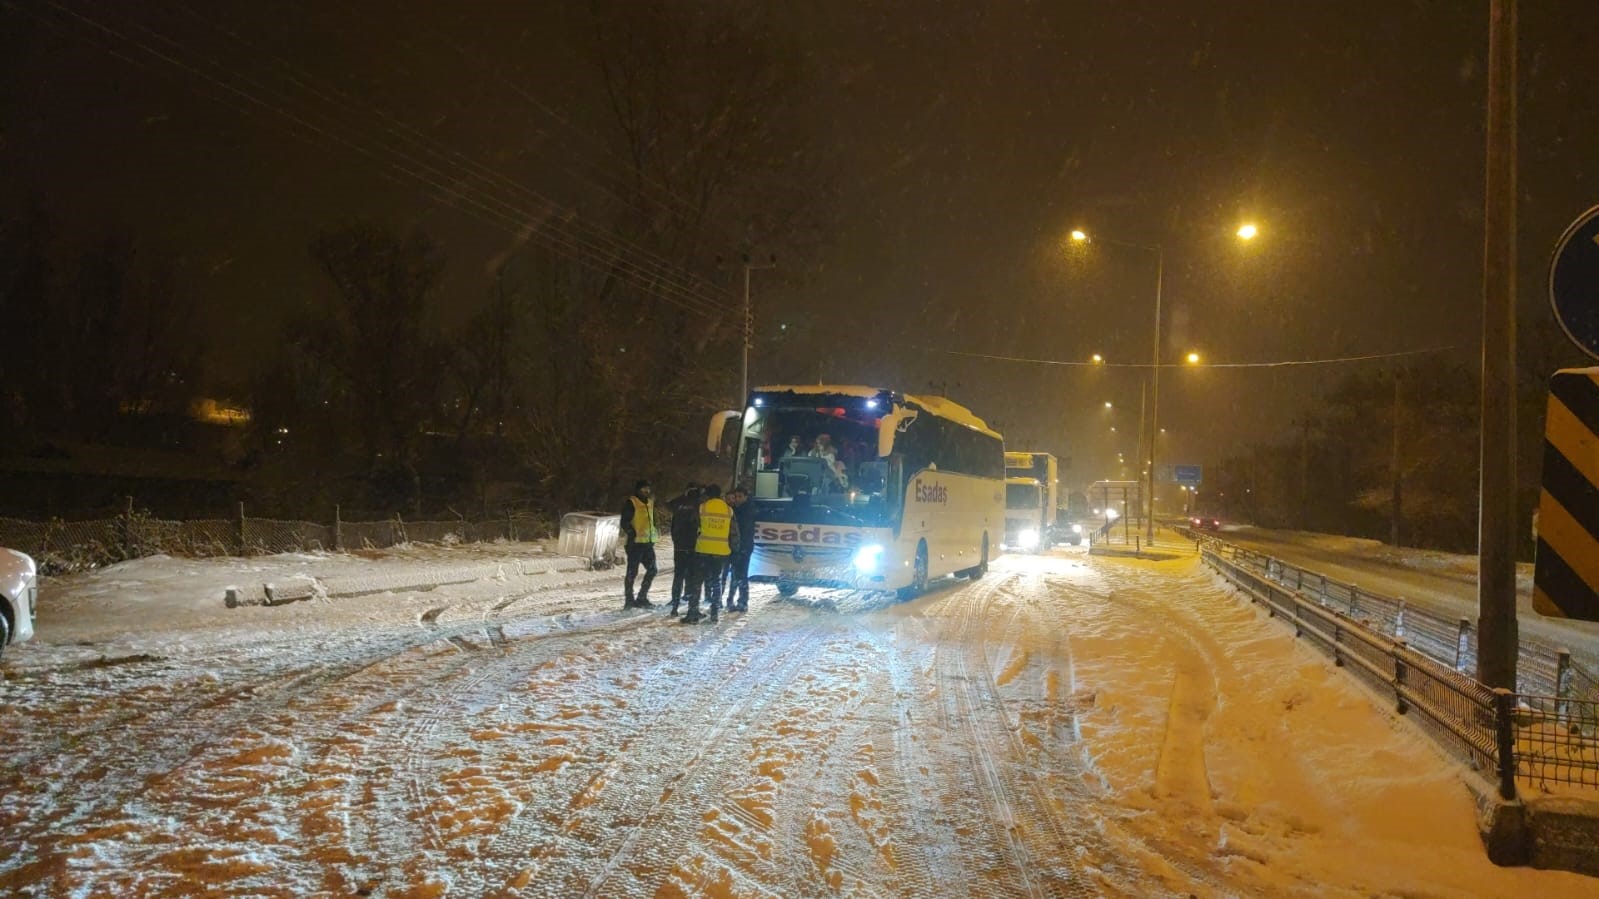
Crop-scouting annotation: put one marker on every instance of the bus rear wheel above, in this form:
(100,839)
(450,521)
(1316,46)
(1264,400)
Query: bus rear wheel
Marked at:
(787,590)
(981,568)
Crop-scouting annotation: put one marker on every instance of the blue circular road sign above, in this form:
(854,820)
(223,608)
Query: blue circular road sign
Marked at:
(1574,282)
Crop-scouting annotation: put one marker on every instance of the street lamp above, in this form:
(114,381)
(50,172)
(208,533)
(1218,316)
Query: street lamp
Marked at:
(1098,359)
(1247,231)
(1193,358)
(1080,236)
(1107,404)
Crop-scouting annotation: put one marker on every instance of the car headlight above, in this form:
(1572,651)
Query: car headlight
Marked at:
(868,557)
(1077,529)
(1027,539)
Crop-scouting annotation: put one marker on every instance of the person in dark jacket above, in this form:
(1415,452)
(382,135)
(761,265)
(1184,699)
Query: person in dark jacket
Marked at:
(685,511)
(738,594)
(638,530)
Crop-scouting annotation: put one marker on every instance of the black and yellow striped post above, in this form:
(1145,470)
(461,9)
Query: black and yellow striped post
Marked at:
(1566,581)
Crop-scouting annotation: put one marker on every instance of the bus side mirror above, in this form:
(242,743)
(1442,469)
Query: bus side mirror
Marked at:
(713,435)
(890,427)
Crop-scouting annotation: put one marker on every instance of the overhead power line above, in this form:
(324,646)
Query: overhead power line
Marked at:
(1284,363)
(550,226)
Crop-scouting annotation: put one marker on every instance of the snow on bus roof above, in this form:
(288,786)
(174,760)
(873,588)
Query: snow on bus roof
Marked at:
(940,406)
(826,389)
(946,408)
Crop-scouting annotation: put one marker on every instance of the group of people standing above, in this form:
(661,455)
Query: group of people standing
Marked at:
(712,540)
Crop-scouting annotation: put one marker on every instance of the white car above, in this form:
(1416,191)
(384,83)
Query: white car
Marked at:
(19,596)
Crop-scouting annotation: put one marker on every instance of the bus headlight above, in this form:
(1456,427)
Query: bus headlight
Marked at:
(868,557)
(1077,529)
(1027,539)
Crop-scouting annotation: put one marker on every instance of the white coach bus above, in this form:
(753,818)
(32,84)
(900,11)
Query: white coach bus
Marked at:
(864,488)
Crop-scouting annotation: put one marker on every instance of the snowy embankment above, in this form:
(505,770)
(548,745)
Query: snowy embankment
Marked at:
(165,606)
(1067,726)
(1243,752)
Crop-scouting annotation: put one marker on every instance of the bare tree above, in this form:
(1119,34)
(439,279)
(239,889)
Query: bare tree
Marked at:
(373,338)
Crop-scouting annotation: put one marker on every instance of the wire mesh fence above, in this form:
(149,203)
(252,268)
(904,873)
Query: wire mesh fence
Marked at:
(1556,742)
(65,546)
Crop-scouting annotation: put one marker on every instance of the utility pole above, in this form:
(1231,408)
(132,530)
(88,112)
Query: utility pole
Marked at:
(749,325)
(1143,410)
(1497,642)
(1397,509)
(1304,473)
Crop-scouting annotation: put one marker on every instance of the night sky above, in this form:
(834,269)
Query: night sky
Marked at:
(963,142)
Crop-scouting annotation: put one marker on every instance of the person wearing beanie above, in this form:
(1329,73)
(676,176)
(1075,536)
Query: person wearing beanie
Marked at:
(638,530)
(685,510)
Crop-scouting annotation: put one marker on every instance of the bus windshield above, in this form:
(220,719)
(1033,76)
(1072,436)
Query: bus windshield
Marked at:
(1021,496)
(818,461)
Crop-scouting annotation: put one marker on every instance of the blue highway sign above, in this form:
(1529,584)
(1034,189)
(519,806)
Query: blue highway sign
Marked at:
(1574,282)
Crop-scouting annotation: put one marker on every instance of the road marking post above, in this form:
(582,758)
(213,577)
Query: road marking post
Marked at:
(1566,576)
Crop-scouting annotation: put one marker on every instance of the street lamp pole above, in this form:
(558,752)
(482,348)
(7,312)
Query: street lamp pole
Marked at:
(1154,398)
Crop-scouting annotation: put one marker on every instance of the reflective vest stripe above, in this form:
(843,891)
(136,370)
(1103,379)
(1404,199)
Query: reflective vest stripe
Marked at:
(643,521)
(716,521)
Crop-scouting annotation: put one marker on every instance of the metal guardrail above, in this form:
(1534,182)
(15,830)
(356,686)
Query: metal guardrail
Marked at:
(1421,659)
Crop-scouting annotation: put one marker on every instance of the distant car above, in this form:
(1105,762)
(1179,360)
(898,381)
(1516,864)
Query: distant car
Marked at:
(1205,523)
(1073,534)
(19,595)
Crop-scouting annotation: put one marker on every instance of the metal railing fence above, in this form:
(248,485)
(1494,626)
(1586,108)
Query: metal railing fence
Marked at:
(1423,660)
(66,546)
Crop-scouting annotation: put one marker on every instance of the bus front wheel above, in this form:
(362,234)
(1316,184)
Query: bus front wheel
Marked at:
(918,584)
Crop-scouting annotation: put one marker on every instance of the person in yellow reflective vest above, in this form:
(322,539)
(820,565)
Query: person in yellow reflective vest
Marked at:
(718,534)
(638,530)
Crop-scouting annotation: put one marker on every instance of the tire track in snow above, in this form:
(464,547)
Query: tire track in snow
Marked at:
(709,723)
(822,769)
(417,762)
(508,860)
(114,765)
(926,863)
(1133,601)
(1029,812)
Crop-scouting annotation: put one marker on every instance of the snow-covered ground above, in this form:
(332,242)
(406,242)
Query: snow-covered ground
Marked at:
(1444,583)
(1067,726)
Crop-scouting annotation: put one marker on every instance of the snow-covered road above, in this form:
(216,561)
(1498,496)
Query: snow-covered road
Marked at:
(1443,583)
(1069,726)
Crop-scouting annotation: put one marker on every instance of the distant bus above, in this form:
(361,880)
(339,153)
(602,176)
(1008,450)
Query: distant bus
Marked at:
(865,488)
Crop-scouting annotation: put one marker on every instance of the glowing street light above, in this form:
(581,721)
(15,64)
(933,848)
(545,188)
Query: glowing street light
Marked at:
(1098,359)
(1247,231)
(1078,235)
(1107,404)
